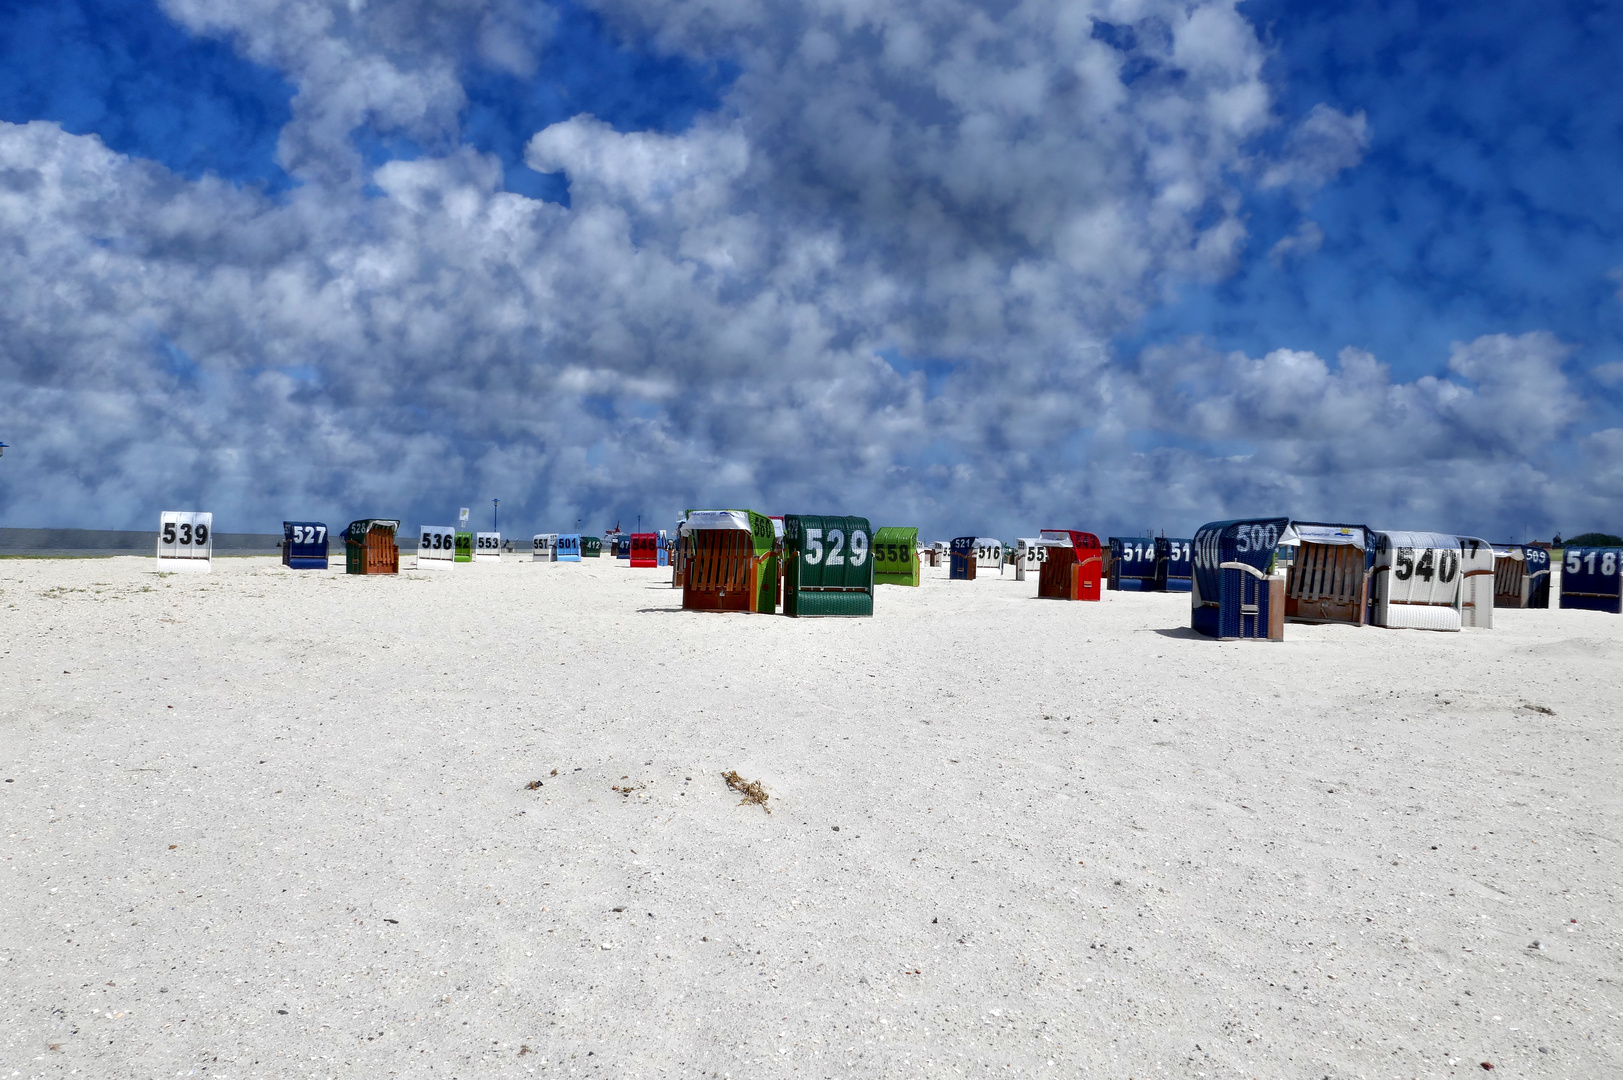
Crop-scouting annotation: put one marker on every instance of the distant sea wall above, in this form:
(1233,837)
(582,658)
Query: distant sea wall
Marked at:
(87,542)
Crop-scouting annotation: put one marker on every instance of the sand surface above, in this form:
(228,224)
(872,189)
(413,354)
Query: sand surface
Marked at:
(275,823)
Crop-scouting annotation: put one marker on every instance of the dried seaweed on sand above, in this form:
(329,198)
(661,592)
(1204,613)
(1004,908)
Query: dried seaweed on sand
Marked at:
(752,790)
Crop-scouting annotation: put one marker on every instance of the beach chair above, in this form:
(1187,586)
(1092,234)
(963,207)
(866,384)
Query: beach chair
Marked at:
(644,550)
(732,563)
(961,559)
(1415,583)
(828,566)
(896,556)
(370,548)
(1131,566)
(1476,583)
(1074,568)
(679,554)
(1328,579)
(1174,568)
(988,555)
(1521,576)
(1592,579)
(1237,590)
(1029,553)
(304,545)
(186,541)
(436,547)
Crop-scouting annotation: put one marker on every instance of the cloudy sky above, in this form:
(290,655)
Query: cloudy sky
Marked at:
(981,267)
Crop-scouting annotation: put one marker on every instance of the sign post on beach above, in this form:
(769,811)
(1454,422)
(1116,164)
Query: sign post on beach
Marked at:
(304,545)
(186,541)
(436,547)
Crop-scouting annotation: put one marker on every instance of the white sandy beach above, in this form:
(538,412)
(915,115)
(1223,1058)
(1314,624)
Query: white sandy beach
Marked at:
(270,823)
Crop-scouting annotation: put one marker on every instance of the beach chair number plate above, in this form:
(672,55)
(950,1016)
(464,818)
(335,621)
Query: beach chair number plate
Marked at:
(1576,562)
(179,534)
(893,553)
(1442,565)
(437,540)
(835,553)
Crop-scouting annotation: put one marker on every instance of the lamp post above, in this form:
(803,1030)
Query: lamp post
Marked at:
(495,506)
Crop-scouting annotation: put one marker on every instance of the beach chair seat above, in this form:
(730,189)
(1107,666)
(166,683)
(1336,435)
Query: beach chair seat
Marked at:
(1327,583)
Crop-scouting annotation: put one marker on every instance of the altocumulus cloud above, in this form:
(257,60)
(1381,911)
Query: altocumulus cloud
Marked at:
(883,275)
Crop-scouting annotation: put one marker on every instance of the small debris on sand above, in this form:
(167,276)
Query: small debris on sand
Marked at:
(533,785)
(752,790)
(1540,709)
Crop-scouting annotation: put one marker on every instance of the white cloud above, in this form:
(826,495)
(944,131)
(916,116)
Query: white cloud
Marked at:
(1307,239)
(1323,145)
(707,321)
(1608,374)
(1345,440)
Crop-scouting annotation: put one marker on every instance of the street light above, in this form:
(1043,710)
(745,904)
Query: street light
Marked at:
(2,449)
(495,505)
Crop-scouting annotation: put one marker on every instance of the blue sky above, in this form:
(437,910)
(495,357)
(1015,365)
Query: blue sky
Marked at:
(1484,203)
(956,265)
